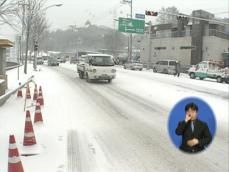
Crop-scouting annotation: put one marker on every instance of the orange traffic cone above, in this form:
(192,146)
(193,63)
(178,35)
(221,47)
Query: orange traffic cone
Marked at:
(19,93)
(40,98)
(28,96)
(29,136)
(38,116)
(35,93)
(14,161)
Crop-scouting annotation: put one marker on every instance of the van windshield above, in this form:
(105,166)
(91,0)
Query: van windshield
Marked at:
(102,61)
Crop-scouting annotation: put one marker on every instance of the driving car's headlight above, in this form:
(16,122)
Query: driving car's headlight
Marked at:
(113,70)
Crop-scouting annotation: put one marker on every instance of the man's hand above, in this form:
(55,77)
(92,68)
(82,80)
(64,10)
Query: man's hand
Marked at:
(188,117)
(193,142)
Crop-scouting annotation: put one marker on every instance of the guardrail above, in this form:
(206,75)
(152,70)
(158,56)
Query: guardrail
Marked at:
(6,96)
(12,67)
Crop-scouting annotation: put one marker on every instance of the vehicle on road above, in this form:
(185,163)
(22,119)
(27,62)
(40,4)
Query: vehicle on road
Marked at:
(122,58)
(133,66)
(96,67)
(165,66)
(61,59)
(40,61)
(53,61)
(75,59)
(209,69)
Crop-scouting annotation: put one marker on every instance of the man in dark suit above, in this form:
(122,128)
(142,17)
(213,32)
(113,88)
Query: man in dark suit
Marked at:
(195,133)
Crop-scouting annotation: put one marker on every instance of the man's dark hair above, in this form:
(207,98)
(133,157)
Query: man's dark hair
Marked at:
(192,106)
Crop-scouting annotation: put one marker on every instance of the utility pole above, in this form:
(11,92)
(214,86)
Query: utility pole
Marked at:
(130,39)
(27,38)
(131,35)
(150,45)
(75,43)
(23,4)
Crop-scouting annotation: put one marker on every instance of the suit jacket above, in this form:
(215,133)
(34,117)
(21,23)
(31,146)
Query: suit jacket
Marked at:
(201,132)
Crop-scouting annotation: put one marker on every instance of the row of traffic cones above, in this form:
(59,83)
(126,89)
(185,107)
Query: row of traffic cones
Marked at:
(37,96)
(14,161)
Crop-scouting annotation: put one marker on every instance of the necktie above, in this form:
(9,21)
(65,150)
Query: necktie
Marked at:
(192,126)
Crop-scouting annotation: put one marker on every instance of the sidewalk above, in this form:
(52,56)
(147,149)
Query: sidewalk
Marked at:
(51,144)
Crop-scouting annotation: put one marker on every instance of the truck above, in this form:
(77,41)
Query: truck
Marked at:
(209,69)
(96,67)
(52,61)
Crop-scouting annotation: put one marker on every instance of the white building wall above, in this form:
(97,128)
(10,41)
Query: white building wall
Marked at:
(213,47)
(173,50)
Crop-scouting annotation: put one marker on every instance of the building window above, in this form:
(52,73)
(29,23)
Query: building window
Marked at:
(160,48)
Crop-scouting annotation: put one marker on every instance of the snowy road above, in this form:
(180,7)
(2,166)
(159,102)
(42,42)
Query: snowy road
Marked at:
(119,127)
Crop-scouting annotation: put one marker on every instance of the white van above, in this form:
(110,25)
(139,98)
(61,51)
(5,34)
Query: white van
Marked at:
(165,66)
(96,67)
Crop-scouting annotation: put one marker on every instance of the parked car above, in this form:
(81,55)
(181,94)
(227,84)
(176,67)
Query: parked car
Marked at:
(122,58)
(209,69)
(73,60)
(96,67)
(165,66)
(133,66)
(53,61)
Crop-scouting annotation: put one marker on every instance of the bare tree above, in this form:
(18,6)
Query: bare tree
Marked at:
(35,8)
(2,3)
(165,17)
(7,13)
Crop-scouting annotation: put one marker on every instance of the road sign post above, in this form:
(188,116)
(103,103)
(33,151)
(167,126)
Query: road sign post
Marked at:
(140,16)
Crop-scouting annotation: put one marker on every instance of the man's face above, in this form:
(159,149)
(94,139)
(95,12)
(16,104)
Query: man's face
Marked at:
(192,113)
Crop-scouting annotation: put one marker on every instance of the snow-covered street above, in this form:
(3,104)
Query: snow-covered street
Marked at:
(117,127)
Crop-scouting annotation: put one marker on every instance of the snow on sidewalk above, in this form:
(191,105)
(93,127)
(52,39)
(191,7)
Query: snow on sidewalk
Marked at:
(13,81)
(51,139)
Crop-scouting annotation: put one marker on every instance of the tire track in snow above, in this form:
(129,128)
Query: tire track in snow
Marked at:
(100,98)
(73,152)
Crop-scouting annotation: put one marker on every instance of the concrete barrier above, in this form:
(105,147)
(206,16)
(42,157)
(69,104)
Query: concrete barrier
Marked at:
(6,96)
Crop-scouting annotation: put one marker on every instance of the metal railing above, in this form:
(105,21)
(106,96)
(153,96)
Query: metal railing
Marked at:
(6,96)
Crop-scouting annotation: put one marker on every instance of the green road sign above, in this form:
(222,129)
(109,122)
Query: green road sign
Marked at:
(129,25)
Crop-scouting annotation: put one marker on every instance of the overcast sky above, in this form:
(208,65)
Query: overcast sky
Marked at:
(102,12)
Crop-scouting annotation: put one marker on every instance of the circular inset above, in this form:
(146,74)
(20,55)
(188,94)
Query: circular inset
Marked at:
(192,125)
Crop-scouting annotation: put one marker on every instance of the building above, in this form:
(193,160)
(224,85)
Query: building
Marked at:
(4,44)
(189,41)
